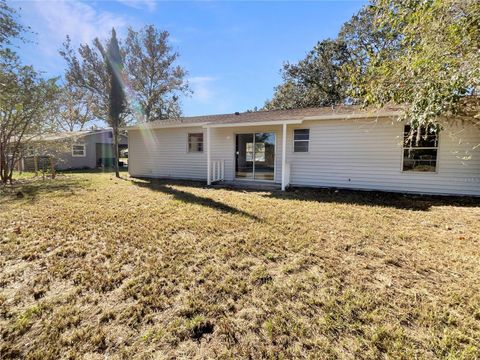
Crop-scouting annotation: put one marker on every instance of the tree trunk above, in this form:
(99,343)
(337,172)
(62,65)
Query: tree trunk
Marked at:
(52,167)
(35,164)
(2,165)
(10,176)
(115,151)
(3,173)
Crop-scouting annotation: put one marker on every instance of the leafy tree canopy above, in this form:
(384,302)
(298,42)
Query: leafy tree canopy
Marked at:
(154,78)
(25,100)
(423,55)
(71,110)
(435,70)
(151,79)
(25,97)
(317,80)
(134,81)
(98,72)
(10,28)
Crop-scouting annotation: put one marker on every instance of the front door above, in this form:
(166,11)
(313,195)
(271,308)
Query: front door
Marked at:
(255,156)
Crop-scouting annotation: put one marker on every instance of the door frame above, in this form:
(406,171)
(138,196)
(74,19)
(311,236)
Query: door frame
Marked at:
(235,156)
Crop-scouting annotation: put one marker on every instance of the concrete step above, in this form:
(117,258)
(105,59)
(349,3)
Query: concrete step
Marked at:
(250,185)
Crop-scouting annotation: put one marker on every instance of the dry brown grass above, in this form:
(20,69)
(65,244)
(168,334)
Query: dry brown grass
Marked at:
(95,267)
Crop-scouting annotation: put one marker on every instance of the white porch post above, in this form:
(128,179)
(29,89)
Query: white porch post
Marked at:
(284,155)
(209,158)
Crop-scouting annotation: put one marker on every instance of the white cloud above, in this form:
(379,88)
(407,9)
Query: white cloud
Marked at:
(203,91)
(150,5)
(53,21)
(210,96)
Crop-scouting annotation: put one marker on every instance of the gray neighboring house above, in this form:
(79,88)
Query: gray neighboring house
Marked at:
(87,149)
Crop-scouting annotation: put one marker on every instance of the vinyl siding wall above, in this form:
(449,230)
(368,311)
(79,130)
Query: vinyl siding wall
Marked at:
(364,154)
(358,154)
(163,152)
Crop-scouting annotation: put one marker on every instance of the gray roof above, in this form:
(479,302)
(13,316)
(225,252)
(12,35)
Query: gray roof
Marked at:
(68,135)
(337,112)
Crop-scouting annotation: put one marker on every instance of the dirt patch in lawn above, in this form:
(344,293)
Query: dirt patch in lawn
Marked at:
(93,266)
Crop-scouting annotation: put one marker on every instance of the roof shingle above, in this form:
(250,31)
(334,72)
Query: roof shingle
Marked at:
(277,115)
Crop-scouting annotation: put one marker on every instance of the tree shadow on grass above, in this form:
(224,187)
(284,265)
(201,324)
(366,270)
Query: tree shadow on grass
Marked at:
(375,198)
(165,186)
(414,202)
(29,190)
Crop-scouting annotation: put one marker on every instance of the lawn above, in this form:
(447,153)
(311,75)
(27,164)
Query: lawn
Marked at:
(95,267)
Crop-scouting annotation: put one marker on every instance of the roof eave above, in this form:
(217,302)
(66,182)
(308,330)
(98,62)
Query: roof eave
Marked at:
(252,123)
(358,115)
(147,126)
(368,115)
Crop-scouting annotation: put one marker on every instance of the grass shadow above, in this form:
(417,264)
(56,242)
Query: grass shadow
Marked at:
(165,186)
(106,170)
(415,202)
(375,198)
(31,188)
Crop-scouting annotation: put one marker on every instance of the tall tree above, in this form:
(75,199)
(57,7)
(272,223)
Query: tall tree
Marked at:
(150,77)
(117,99)
(100,73)
(368,45)
(86,70)
(72,110)
(10,28)
(434,69)
(317,80)
(24,96)
(288,95)
(24,102)
(154,79)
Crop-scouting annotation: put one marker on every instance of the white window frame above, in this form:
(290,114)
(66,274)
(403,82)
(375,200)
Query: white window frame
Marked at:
(419,148)
(307,141)
(30,151)
(188,143)
(84,150)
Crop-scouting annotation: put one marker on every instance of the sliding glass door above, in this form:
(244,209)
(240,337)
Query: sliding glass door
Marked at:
(255,156)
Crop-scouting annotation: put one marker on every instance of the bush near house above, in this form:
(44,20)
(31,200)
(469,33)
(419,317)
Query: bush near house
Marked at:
(95,266)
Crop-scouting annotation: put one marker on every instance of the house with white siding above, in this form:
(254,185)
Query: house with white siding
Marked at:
(341,147)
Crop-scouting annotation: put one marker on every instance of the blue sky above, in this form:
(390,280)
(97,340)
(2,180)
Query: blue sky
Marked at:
(233,51)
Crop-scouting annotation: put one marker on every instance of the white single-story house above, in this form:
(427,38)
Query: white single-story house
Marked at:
(341,147)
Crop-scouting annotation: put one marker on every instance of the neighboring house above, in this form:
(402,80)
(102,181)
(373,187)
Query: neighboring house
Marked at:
(342,147)
(86,149)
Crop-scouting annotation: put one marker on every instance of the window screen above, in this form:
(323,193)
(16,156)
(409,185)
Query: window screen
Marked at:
(78,150)
(195,142)
(301,140)
(420,149)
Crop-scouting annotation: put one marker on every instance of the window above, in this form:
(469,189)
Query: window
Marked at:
(78,150)
(249,151)
(301,140)
(420,149)
(259,152)
(29,151)
(195,142)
